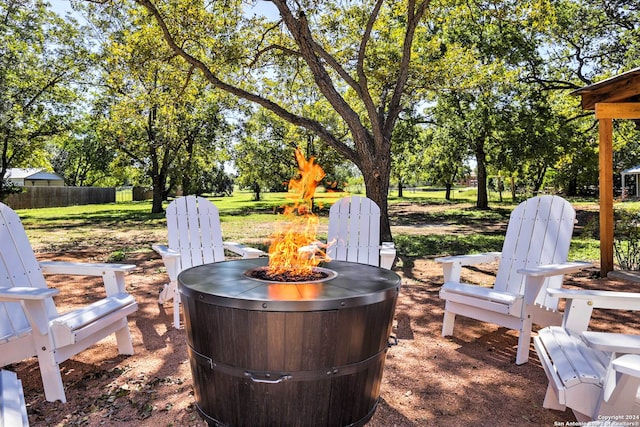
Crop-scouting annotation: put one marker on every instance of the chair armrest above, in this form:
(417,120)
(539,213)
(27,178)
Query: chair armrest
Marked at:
(171,260)
(165,252)
(313,248)
(83,268)
(470,259)
(628,364)
(112,274)
(33,303)
(451,265)
(600,299)
(387,255)
(535,277)
(18,293)
(242,250)
(13,411)
(555,269)
(580,304)
(612,342)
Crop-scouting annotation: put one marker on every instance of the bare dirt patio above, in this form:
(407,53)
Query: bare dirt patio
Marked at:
(468,380)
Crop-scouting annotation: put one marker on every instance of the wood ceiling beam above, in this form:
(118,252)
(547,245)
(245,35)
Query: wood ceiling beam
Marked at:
(619,110)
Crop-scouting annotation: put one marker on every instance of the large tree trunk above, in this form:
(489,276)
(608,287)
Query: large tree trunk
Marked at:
(482,201)
(187,181)
(158,189)
(572,188)
(376,180)
(539,180)
(255,187)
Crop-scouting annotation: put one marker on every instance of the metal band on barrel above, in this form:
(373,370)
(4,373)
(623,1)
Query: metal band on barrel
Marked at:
(274,377)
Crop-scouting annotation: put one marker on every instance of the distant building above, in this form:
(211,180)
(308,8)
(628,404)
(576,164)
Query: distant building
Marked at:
(469,181)
(33,177)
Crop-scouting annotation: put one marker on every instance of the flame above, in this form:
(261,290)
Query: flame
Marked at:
(294,250)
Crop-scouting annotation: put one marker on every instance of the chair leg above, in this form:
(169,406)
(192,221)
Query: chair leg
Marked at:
(123,339)
(164,294)
(49,369)
(619,391)
(170,292)
(524,341)
(447,323)
(52,382)
(176,308)
(551,400)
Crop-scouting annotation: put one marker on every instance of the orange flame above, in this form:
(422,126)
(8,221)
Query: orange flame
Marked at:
(293,251)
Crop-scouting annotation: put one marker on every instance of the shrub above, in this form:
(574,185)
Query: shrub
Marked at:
(626,244)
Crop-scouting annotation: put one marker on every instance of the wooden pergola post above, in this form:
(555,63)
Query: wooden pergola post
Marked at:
(614,98)
(606,195)
(605,113)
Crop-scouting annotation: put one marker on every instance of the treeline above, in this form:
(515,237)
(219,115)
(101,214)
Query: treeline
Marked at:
(181,95)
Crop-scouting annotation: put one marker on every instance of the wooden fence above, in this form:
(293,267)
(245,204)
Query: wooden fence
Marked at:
(142,193)
(48,197)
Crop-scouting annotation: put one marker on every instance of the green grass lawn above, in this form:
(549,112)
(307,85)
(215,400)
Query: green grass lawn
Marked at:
(251,222)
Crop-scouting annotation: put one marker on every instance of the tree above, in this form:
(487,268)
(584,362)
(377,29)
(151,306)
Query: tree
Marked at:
(606,42)
(160,113)
(212,179)
(356,56)
(488,46)
(207,137)
(80,156)
(446,157)
(40,63)
(407,152)
(263,159)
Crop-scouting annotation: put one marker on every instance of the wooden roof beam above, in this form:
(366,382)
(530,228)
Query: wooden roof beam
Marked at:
(614,110)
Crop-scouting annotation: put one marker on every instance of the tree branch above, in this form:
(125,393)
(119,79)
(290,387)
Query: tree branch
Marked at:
(272,47)
(362,77)
(299,29)
(51,83)
(309,124)
(413,19)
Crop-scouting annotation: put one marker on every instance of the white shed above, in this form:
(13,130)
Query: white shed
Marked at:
(631,171)
(33,177)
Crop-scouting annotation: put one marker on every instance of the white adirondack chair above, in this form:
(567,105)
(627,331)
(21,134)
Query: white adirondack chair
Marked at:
(29,322)
(354,233)
(195,238)
(533,258)
(596,374)
(13,412)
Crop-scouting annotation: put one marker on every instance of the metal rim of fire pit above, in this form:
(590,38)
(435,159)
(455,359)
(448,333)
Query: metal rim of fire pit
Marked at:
(225,284)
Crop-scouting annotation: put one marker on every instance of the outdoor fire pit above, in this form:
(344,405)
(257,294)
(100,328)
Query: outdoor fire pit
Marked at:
(264,353)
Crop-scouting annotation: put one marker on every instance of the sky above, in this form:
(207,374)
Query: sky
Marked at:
(262,7)
(61,6)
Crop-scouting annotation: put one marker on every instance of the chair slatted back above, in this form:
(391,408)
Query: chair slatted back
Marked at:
(18,267)
(354,231)
(539,232)
(193,225)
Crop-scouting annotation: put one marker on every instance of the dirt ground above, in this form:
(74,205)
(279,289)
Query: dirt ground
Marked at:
(466,380)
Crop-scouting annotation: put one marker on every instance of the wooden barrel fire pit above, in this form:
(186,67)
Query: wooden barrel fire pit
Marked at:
(265,353)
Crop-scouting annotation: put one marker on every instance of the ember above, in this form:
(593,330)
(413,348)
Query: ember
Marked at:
(265,274)
(294,253)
